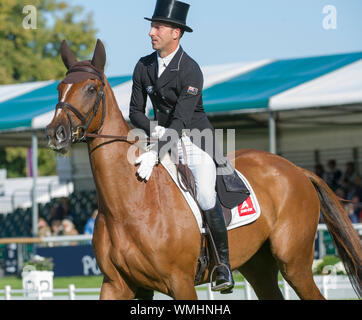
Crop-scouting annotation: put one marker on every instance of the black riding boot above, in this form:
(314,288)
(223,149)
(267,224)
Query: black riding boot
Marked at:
(216,223)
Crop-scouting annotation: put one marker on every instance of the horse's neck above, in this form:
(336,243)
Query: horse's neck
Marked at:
(114,122)
(112,171)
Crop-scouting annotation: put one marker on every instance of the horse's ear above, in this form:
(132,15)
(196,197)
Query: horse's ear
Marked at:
(99,56)
(67,55)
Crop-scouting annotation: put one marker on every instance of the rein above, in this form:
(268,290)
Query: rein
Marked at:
(122,138)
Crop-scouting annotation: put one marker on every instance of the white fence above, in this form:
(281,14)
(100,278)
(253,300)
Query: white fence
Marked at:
(332,287)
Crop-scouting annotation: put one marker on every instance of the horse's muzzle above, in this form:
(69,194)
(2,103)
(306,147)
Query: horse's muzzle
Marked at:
(60,134)
(58,137)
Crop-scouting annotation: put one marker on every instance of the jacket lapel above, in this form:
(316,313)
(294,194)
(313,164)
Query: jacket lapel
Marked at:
(152,68)
(171,70)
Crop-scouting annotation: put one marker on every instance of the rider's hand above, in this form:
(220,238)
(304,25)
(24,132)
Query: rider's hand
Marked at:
(158,132)
(147,161)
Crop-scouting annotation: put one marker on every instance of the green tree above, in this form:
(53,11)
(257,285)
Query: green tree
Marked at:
(14,162)
(33,54)
(13,159)
(46,162)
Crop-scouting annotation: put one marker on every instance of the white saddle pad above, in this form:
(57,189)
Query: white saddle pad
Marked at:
(243,214)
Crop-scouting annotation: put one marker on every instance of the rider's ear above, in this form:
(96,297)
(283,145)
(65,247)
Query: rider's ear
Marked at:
(67,55)
(99,56)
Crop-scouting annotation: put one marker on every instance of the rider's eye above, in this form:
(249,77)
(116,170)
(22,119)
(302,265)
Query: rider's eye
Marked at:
(92,90)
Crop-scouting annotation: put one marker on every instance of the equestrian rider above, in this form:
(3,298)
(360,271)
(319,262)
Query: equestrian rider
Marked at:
(174,82)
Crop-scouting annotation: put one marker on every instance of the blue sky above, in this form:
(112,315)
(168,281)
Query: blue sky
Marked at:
(230,30)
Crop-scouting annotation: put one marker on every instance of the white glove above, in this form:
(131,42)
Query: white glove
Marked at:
(147,161)
(158,132)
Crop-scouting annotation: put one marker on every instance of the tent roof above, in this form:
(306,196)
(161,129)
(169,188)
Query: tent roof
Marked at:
(241,87)
(29,104)
(254,89)
(341,87)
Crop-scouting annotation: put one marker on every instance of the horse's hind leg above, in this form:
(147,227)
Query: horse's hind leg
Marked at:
(297,271)
(294,252)
(261,271)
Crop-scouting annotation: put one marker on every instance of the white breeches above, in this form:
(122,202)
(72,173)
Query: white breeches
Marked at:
(203,168)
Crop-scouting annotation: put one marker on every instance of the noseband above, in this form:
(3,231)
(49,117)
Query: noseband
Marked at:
(78,133)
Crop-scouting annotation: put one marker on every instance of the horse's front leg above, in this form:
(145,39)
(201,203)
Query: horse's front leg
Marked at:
(116,290)
(144,294)
(182,287)
(114,287)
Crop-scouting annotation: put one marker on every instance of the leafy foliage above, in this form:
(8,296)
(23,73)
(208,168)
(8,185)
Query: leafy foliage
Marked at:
(13,159)
(33,54)
(40,263)
(326,264)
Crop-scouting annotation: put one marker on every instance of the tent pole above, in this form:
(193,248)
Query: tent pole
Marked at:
(34,155)
(272,133)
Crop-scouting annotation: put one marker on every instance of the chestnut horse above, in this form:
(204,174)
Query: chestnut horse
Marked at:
(146,236)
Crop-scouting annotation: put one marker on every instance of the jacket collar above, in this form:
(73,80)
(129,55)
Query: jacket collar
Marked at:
(169,73)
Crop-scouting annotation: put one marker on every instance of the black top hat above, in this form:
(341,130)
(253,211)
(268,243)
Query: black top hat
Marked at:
(173,12)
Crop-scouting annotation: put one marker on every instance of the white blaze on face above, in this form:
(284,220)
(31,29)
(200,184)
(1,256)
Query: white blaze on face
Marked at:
(66,91)
(63,97)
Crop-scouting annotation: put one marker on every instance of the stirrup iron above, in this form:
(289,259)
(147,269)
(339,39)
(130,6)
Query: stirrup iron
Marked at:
(225,287)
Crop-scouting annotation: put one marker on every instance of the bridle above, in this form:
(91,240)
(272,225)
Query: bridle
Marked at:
(79,132)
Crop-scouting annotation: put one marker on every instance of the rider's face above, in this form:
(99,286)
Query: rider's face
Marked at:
(163,36)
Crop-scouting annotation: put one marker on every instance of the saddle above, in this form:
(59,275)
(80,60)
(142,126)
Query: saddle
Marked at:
(230,189)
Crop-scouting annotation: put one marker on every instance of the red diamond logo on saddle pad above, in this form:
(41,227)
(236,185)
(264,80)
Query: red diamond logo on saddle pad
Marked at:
(246,208)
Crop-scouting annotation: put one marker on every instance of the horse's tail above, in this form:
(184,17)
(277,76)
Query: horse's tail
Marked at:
(345,237)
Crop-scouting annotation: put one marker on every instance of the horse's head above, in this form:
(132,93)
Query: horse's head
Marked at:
(81,104)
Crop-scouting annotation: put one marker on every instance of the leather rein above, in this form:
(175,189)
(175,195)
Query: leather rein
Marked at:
(79,132)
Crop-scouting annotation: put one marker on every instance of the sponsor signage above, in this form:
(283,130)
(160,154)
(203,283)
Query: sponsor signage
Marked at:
(71,260)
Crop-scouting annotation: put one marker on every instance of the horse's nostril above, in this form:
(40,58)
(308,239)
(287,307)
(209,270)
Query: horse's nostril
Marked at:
(60,134)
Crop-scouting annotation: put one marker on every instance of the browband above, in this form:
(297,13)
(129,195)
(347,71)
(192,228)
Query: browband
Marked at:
(85,69)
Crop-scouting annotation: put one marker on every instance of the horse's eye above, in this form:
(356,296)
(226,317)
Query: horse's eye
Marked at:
(92,90)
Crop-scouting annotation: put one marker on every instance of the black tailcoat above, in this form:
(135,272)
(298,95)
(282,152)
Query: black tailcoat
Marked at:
(176,97)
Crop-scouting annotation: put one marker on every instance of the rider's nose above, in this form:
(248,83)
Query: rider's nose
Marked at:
(152,32)
(61,134)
